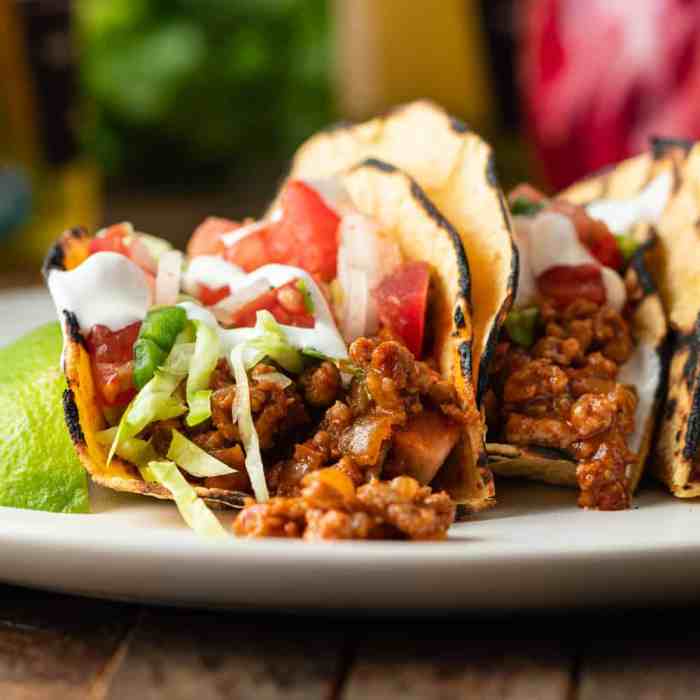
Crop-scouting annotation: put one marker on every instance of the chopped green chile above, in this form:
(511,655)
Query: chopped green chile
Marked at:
(627,245)
(148,356)
(159,331)
(522,206)
(521,326)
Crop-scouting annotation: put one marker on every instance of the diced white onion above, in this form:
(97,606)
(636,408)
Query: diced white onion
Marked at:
(365,257)
(141,255)
(168,277)
(212,271)
(224,309)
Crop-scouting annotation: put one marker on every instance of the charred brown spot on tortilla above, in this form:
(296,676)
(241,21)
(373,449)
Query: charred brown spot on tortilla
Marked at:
(460,321)
(638,264)
(484,379)
(73,328)
(55,260)
(690,342)
(670,407)
(465,358)
(660,146)
(70,409)
(692,432)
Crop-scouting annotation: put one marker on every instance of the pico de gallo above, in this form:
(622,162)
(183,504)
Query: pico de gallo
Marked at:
(280,360)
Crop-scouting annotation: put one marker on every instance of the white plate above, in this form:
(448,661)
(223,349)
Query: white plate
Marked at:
(536,549)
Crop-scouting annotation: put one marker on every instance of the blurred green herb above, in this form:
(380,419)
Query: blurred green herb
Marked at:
(191,89)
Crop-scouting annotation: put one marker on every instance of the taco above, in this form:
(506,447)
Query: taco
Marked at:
(677,269)
(577,378)
(347,432)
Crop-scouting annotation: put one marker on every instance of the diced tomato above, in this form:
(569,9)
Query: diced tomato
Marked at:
(112,240)
(286,304)
(594,234)
(402,299)
(206,239)
(565,284)
(306,236)
(210,296)
(251,251)
(112,365)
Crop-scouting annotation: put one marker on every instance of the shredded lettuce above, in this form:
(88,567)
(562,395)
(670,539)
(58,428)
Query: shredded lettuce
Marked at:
(133,450)
(271,341)
(243,416)
(154,402)
(206,354)
(193,459)
(192,508)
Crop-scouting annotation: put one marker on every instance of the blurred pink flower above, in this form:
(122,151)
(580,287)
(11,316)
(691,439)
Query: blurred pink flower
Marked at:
(599,77)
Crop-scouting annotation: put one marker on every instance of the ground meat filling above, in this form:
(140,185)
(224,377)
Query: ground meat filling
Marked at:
(330,507)
(342,460)
(562,393)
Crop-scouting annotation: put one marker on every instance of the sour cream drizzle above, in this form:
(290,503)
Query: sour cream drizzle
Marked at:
(212,271)
(106,289)
(620,215)
(324,336)
(549,240)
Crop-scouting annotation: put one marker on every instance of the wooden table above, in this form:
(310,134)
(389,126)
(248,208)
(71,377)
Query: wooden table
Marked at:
(56,647)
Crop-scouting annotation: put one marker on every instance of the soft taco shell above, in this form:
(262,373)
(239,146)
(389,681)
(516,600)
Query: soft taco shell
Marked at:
(648,325)
(677,270)
(404,211)
(455,168)
(80,403)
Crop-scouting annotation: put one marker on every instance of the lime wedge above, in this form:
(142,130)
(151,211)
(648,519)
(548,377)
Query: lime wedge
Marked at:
(38,465)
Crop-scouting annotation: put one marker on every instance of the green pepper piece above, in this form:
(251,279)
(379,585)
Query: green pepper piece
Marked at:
(308,301)
(627,245)
(148,356)
(162,325)
(521,326)
(522,206)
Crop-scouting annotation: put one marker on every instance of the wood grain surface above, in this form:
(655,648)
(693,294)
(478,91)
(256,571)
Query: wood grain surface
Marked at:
(59,647)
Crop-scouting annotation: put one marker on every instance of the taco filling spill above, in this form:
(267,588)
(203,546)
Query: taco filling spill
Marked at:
(314,377)
(575,378)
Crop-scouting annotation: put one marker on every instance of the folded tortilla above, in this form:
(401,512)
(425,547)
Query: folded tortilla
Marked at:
(676,460)
(403,211)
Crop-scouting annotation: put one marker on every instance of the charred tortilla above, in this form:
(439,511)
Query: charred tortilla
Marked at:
(648,323)
(455,168)
(404,211)
(677,270)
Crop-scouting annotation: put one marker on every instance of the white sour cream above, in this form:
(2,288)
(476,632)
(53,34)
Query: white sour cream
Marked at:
(548,240)
(106,289)
(642,371)
(324,336)
(620,215)
(212,271)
